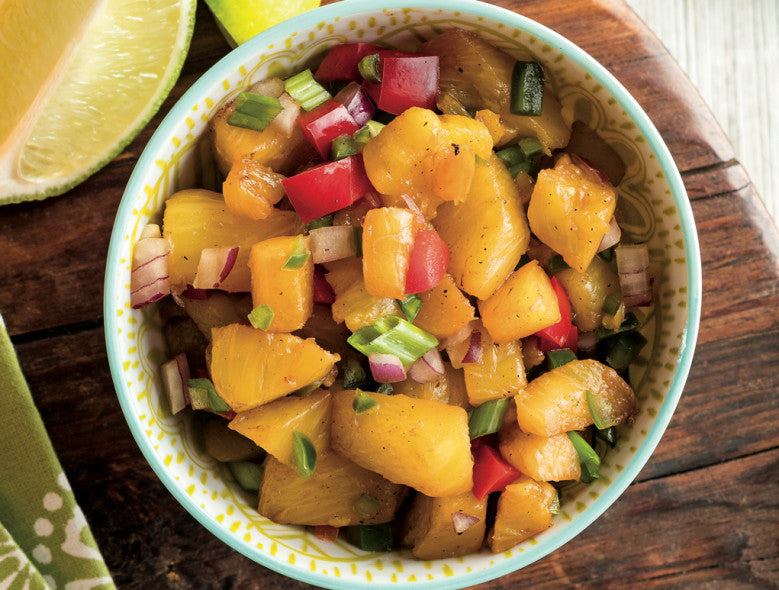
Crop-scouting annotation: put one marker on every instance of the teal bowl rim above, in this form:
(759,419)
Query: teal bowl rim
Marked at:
(346,7)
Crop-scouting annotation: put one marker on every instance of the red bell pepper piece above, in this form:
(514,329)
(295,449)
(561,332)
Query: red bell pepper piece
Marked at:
(557,334)
(341,62)
(571,342)
(428,261)
(327,187)
(491,472)
(407,80)
(323,124)
(323,292)
(325,532)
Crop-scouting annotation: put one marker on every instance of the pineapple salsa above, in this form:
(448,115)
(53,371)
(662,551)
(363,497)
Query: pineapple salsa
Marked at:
(409,315)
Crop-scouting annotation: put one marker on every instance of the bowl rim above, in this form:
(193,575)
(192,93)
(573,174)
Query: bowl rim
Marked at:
(244,53)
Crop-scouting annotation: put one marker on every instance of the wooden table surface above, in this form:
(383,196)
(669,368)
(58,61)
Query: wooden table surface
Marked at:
(702,513)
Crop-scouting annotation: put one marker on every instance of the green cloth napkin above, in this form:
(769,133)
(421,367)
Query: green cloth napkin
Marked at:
(45,541)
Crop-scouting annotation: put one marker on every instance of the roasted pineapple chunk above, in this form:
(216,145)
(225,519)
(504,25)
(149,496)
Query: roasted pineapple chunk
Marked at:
(420,443)
(251,367)
(487,233)
(588,290)
(523,511)
(556,402)
(544,458)
(445,310)
(353,304)
(387,239)
(329,497)
(499,373)
(449,389)
(251,189)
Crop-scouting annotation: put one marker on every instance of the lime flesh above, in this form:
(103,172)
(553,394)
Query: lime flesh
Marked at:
(241,20)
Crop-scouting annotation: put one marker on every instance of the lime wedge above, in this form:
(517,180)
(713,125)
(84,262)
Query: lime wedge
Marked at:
(81,78)
(240,20)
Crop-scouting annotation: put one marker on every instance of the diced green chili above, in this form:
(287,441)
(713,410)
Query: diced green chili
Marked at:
(366,505)
(558,358)
(212,399)
(305,454)
(354,374)
(587,457)
(247,474)
(370,67)
(625,349)
(370,537)
(261,316)
(298,257)
(410,306)
(362,402)
(527,88)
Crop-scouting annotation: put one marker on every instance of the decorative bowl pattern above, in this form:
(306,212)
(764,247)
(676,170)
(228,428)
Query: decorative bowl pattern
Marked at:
(652,197)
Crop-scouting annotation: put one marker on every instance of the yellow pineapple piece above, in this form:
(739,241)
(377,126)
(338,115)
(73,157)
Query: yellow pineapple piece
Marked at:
(556,402)
(252,189)
(523,511)
(420,443)
(271,425)
(544,458)
(329,497)
(387,239)
(252,367)
(353,304)
(289,292)
(570,211)
(498,374)
(487,233)
(195,219)
(445,310)
(588,290)
(449,389)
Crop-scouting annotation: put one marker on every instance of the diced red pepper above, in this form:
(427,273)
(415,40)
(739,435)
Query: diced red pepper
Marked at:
(407,81)
(341,62)
(571,342)
(327,187)
(323,124)
(491,472)
(323,292)
(428,261)
(558,333)
(325,532)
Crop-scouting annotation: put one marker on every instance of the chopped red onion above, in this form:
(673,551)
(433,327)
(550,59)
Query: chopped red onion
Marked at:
(197,294)
(588,168)
(149,275)
(150,230)
(332,243)
(214,266)
(460,335)
(428,368)
(611,238)
(468,350)
(285,120)
(272,87)
(356,101)
(633,267)
(473,354)
(588,341)
(462,522)
(175,375)
(386,368)
(420,217)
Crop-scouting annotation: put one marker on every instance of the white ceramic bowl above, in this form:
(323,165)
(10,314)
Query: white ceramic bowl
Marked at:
(652,196)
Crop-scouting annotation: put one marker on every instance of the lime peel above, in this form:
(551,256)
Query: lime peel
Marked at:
(240,20)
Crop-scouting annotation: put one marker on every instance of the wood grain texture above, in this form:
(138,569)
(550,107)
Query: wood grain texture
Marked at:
(702,513)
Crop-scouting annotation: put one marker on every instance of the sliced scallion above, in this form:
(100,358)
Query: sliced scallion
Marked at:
(305,454)
(487,418)
(527,88)
(558,358)
(368,131)
(342,147)
(370,537)
(597,419)
(587,457)
(254,111)
(370,67)
(247,474)
(306,91)
(325,221)
(410,306)
(362,402)
(214,402)
(393,335)
(354,374)
(367,505)
(299,255)
(261,316)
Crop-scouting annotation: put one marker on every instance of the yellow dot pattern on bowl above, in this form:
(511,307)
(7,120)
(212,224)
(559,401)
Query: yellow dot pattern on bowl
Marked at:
(650,217)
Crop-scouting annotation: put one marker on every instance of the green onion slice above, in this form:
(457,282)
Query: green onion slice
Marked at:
(306,91)
(367,505)
(305,454)
(597,418)
(324,221)
(370,537)
(211,400)
(247,474)
(368,131)
(370,67)
(299,255)
(587,457)
(393,335)
(354,374)
(342,147)
(558,358)
(254,111)
(527,88)
(362,402)
(261,316)
(410,306)
(487,418)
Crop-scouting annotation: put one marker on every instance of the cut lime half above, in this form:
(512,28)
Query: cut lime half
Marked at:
(240,20)
(81,78)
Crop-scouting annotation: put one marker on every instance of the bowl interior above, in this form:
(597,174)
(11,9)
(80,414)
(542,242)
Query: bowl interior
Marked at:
(652,198)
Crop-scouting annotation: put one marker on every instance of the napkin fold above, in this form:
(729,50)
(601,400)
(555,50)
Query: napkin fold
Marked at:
(45,541)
